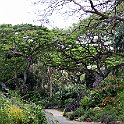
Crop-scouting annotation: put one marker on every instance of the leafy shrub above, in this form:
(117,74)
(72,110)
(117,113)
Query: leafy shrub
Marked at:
(120,105)
(67,101)
(14,111)
(36,96)
(108,100)
(74,114)
(69,115)
(84,102)
(4,118)
(66,94)
(34,114)
(96,98)
(113,111)
(88,115)
(106,115)
(78,112)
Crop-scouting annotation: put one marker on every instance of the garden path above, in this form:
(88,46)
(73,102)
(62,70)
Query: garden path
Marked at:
(55,116)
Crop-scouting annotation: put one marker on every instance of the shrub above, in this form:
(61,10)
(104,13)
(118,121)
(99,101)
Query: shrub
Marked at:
(88,115)
(66,94)
(14,111)
(84,102)
(74,114)
(96,98)
(108,100)
(69,115)
(78,112)
(106,115)
(120,105)
(4,118)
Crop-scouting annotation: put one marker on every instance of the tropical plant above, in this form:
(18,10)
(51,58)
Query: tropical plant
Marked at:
(14,110)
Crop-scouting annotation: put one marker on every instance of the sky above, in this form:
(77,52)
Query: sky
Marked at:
(23,11)
(16,12)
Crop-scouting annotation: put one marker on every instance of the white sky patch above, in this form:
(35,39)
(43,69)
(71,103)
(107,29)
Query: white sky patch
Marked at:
(16,12)
(22,11)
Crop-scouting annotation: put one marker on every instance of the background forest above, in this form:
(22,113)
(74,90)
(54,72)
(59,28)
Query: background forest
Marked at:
(79,70)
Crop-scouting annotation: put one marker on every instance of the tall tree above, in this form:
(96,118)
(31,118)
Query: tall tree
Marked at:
(87,47)
(22,44)
(85,50)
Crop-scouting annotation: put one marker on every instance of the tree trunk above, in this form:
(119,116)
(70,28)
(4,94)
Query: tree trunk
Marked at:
(100,78)
(26,71)
(97,81)
(25,77)
(23,88)
(50,81)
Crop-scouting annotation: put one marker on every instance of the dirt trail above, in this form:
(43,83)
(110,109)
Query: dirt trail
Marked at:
(54,115)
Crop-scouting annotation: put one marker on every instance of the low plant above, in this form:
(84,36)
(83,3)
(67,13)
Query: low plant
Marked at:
(84,102)
(88,115)
(74,114)
(108,101)
(4,118)
(106,115)
(120,106)
(14,111)
(69,115)
(65,95)
(96,98)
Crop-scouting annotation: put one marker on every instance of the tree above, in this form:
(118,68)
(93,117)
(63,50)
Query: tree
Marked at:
(21,45)
(85,50)
(88,45)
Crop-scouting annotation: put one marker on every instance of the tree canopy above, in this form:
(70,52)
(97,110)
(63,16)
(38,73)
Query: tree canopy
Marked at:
(20,47)
(94,46)
(95,42)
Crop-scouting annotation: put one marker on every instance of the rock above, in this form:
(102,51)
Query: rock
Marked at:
(88,120)
(3,87)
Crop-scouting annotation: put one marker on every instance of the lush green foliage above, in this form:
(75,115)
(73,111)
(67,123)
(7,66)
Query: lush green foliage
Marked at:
(65,65)
(104,104)
(14,111)
(20,47)
(119,38)
(65,95)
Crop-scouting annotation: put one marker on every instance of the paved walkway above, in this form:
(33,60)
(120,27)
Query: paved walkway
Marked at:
(55,116)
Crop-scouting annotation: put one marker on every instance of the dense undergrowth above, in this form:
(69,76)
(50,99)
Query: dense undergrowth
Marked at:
(104,104)
(13,110)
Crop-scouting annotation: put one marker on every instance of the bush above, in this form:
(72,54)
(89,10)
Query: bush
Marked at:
(66,94)
(85,102)
(78,112)
(14,111)
(96,98)
(120,105)
(4,118)
(106,115)
(88,115)
(74,114)
(69,115)
(113,111)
